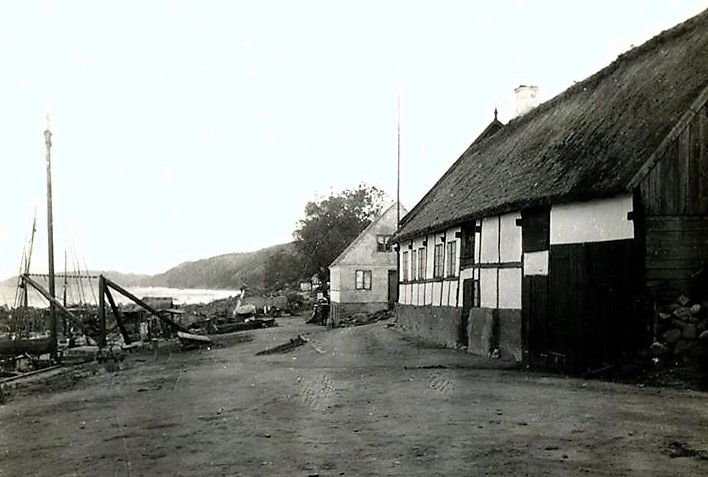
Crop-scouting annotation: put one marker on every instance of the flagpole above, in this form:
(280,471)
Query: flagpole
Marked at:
(398,167)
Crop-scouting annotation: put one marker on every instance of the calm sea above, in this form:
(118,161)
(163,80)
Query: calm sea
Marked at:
(87,293)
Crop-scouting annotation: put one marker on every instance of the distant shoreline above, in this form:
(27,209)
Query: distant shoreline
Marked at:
(181,296)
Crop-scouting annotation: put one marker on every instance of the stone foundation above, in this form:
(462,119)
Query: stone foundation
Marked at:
(438,324)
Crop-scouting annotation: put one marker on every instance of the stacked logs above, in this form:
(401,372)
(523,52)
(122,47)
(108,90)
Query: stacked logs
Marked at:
(681,328)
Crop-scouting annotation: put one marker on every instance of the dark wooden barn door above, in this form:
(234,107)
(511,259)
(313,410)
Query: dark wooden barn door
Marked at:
(612,326)
(566,305)
(592,318)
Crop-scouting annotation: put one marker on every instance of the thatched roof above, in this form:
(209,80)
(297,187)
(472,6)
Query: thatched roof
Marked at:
(588,142)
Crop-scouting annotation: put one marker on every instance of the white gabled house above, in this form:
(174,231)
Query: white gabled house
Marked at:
(363,277)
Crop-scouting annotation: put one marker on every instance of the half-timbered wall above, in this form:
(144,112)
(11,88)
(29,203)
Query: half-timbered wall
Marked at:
(427,288)
(571,268)
(500,262)
(497,266)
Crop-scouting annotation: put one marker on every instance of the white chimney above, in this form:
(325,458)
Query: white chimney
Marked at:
(526,99)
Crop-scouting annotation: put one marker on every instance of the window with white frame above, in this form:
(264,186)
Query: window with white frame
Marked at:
(414,260)
(363,279)
(451,258)
(422,262)
(404,267)
(438,261)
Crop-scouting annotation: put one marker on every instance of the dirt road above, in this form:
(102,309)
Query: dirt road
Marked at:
(354,401)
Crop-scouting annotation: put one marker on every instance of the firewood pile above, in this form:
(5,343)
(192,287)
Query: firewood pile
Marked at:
(681,329)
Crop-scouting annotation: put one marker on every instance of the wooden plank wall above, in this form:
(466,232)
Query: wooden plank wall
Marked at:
(676,249)
(678,184)
(674,196)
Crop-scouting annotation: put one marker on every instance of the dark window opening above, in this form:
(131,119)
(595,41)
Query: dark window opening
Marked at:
(383,243)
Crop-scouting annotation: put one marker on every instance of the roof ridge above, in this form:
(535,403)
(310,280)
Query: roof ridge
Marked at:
(603,72)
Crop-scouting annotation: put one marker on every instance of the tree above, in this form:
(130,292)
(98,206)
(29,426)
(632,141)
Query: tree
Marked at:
(331,224)
(281,270)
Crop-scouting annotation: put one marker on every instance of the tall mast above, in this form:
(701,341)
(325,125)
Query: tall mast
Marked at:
(50,235)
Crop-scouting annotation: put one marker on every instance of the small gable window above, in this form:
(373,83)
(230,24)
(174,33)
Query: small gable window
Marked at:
(383,243)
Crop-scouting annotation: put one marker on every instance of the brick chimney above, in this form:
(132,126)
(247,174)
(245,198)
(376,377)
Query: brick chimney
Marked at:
(526,98)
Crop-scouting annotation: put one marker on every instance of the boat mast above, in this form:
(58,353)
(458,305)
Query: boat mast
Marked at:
(21,297)
(50,235)
(29,255)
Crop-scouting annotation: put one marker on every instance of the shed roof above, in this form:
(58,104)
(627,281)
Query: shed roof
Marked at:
(589,141)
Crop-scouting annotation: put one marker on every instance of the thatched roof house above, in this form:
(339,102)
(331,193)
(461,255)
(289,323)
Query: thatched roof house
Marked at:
(552,238)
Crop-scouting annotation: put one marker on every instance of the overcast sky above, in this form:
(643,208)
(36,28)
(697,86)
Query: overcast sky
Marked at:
(188,129)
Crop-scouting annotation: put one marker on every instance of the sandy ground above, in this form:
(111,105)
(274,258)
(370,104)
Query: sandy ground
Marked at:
(354,401)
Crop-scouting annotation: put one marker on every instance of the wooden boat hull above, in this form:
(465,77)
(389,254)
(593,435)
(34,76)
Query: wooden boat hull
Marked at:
(189,339)
(17,347)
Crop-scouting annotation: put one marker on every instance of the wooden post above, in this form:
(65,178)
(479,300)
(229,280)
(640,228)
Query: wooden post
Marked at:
(27,280)
(25,295)
(102,311)
(118,315)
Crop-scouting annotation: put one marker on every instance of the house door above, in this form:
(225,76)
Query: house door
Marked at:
(392,288)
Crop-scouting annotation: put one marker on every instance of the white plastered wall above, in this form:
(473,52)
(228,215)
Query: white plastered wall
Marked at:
(594,221)
(500,287)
